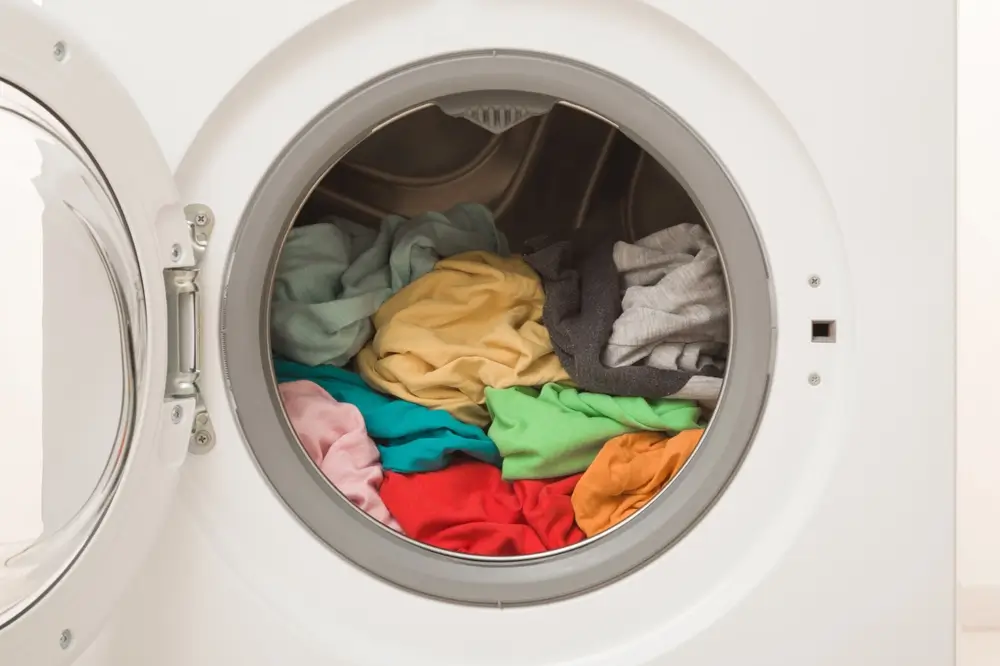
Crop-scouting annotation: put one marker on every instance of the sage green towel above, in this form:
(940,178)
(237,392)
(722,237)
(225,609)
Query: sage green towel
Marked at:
(559,430)
(332,276)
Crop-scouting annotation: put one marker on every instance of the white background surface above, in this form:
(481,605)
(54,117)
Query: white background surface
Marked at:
(979,332)
(979,294)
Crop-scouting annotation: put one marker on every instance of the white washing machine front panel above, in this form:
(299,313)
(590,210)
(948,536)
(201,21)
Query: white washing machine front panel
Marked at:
(832,543)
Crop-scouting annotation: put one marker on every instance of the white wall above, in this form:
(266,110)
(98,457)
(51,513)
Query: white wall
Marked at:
(979,314)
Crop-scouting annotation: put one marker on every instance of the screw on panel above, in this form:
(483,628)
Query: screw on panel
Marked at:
(814,281)
(814,379)
(202,439)
(203,434)
(59,51)
(65,639)
(201,219)
(176,413)
(175,252)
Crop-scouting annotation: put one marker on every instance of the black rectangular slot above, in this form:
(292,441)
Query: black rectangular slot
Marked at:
(824,331)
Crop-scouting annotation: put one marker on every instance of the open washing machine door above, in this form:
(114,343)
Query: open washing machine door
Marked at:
(99,391)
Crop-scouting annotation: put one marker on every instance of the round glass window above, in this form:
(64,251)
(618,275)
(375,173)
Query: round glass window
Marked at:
(71,311)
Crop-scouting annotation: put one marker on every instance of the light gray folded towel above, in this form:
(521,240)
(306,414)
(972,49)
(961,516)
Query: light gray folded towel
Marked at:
(675,308)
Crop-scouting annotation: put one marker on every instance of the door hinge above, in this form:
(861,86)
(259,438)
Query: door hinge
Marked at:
(201,222)
(184,328)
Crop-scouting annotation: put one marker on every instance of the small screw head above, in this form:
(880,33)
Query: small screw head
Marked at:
(814,281)
(65,639)
(814,379)
(59,51)
(175,252)
(176,413)
(201,219)
(202,438)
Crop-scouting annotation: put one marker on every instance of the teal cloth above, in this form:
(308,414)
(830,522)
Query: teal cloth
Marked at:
(410,438)
(559,430)
(333,275)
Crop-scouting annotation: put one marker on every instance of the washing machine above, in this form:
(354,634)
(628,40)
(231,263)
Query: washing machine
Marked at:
(155,156)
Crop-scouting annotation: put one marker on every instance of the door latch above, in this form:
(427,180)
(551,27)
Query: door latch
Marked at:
(184,332)
(184,327)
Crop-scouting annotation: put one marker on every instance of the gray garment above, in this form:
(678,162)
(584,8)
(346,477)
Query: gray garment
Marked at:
(675,309)
(582,301)
(332,276)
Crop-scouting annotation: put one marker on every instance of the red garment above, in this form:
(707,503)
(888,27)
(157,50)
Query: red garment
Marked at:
(467,507)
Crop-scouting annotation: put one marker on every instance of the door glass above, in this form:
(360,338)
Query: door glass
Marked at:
(72,317)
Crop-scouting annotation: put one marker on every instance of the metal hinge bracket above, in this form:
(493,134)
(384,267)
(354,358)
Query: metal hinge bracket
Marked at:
(184,328)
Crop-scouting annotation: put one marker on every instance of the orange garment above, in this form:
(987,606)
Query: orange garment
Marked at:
(627,473)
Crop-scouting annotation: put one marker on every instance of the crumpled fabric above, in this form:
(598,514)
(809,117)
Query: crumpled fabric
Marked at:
(627,474)
(472,322)
(333,435)
(333,275)
(410,438)
(468,508)
(582,303)
(559,430)
(675,311)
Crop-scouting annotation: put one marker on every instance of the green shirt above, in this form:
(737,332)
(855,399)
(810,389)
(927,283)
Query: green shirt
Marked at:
(559,430)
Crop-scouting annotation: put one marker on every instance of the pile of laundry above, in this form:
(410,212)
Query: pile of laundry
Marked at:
(494,404)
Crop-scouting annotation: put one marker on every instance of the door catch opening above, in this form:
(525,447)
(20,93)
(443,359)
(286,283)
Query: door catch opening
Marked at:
(183,332)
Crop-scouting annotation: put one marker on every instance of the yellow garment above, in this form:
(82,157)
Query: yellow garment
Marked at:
(474,321)
(627,473)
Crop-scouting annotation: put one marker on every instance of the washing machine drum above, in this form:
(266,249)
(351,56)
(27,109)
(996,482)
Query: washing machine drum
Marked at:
(500,328)
(540,178)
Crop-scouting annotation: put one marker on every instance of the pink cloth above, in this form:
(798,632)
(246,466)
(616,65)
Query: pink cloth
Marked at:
(334,436)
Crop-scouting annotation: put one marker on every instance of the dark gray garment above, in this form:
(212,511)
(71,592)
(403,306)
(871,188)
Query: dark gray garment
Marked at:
(582,302)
